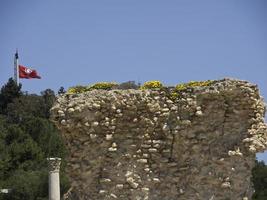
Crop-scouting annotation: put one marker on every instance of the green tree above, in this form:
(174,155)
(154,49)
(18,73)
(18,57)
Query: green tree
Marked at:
(27,138)
(260,181)
(128,85)
(49,99)
(61,91)
(8,93)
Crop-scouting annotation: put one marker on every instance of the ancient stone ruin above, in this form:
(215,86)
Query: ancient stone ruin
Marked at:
(194,144)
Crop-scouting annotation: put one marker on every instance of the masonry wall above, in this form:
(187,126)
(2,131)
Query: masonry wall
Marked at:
(151,144)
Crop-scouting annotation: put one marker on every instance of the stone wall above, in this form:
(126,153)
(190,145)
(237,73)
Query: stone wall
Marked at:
(199,143)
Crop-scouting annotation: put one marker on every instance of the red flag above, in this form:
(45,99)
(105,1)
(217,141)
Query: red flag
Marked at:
(25,72)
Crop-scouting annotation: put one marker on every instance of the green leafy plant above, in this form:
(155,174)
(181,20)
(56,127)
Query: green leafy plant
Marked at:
(77,89)
(103,86)
(184,86)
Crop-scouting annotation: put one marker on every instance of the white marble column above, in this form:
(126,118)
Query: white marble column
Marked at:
(54,188)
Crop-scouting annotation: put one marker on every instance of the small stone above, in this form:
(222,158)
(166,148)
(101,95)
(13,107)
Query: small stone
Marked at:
(113,195)
(131,182)
(94,124)
(71,110)
(145,146)
(96,106)
(145,189)
(165,127)
(63,122)
(252,149)
(106,123)
(156,180)
(113,107)
(235,153)
(114,145)
(78,109)
(111,149)
(146,169)
(142,160)
(152,150)
(93,136)
(145,155)
(87,124)
(105,180)
(198,108)
(165,110)
(226,185)
(199,113)
(174,108)
(128,174)
(118,111)
(186,122)
(119,186)
(102,191)
(109,137)
(61,113)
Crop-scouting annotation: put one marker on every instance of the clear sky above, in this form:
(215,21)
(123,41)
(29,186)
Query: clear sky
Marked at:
(82,42)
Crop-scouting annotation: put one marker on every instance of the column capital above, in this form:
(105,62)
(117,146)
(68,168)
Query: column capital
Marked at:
(54,164)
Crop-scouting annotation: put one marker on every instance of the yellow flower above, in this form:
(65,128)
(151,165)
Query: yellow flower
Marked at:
(152,85)
(76,89)
(191,84)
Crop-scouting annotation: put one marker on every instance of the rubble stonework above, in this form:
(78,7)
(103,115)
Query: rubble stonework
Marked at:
(151,144)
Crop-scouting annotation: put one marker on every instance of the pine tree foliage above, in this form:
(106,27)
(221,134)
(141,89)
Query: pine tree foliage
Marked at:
(260,181)
(27,138)
(8,93)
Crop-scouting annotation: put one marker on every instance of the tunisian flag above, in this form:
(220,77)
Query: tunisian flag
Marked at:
(25,72)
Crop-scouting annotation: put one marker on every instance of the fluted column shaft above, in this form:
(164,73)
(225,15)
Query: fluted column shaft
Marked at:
(54,187)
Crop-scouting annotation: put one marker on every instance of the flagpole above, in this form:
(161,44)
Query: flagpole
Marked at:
(16,67)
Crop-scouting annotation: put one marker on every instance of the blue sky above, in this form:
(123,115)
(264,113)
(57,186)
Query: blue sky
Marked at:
(82,42)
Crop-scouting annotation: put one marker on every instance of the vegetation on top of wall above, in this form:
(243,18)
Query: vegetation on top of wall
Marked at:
(131,85)
(77,89)
(151,85)
(103,86)
(184,86)
(179,88)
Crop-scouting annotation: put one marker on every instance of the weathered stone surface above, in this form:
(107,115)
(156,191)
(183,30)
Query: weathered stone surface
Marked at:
(143,144)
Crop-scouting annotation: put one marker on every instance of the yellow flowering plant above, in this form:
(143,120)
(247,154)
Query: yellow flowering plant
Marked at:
(152,85)
(184,86)
(77,89)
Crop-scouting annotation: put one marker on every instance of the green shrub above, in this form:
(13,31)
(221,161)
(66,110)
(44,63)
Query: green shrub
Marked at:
(191,84)
(103,86)
(77,89)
